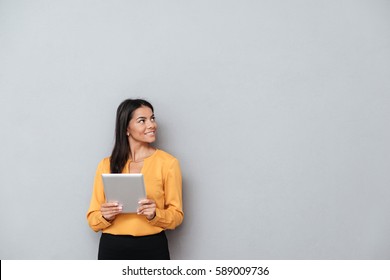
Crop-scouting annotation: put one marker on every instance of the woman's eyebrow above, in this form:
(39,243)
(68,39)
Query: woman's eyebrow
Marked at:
(142,117)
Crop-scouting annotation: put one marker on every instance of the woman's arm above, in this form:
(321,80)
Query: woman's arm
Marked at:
(94,216)
(172,215)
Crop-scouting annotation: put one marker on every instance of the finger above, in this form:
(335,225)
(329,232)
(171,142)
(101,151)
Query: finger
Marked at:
(146,210)
(148,213)
(146,207)
(111,204)
(146,204)
(111,210)
(146,201)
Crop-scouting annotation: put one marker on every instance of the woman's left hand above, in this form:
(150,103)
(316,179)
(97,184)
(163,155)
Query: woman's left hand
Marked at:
(147,207)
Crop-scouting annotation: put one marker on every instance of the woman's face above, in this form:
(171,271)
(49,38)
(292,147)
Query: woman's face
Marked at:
(142,126)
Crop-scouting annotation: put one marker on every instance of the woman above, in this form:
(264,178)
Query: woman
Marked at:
(137,235)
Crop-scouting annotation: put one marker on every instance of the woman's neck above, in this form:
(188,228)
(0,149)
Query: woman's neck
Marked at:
(140,152)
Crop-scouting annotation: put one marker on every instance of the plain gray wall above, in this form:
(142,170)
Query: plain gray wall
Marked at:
(278,111)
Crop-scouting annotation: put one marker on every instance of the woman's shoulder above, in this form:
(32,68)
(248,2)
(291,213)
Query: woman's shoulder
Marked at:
(105,161)
(164,155)
(165,160)
(104,164)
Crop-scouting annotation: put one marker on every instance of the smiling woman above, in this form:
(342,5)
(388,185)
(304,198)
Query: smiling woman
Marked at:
(137,235)
(142,127)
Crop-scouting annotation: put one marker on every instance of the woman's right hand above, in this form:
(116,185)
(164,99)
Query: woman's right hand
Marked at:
(110,210)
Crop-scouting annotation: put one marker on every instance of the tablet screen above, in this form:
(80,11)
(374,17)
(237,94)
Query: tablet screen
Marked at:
(125,188)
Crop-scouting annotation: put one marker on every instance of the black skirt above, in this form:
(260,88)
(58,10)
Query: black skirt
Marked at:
(128,247)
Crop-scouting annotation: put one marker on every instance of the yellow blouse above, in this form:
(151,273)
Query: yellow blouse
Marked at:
(163,184)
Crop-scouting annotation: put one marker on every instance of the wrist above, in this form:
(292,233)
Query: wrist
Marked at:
(151,217)
(108,220)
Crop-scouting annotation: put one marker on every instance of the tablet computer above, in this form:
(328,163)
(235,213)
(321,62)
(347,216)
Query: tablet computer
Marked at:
(125,188)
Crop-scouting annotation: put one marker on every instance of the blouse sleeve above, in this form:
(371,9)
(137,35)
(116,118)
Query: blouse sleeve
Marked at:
(172,215)
(94,216)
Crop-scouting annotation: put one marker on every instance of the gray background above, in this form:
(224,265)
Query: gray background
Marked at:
(278,111)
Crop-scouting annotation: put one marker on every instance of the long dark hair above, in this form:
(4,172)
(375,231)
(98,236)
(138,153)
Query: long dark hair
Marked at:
(121,151)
